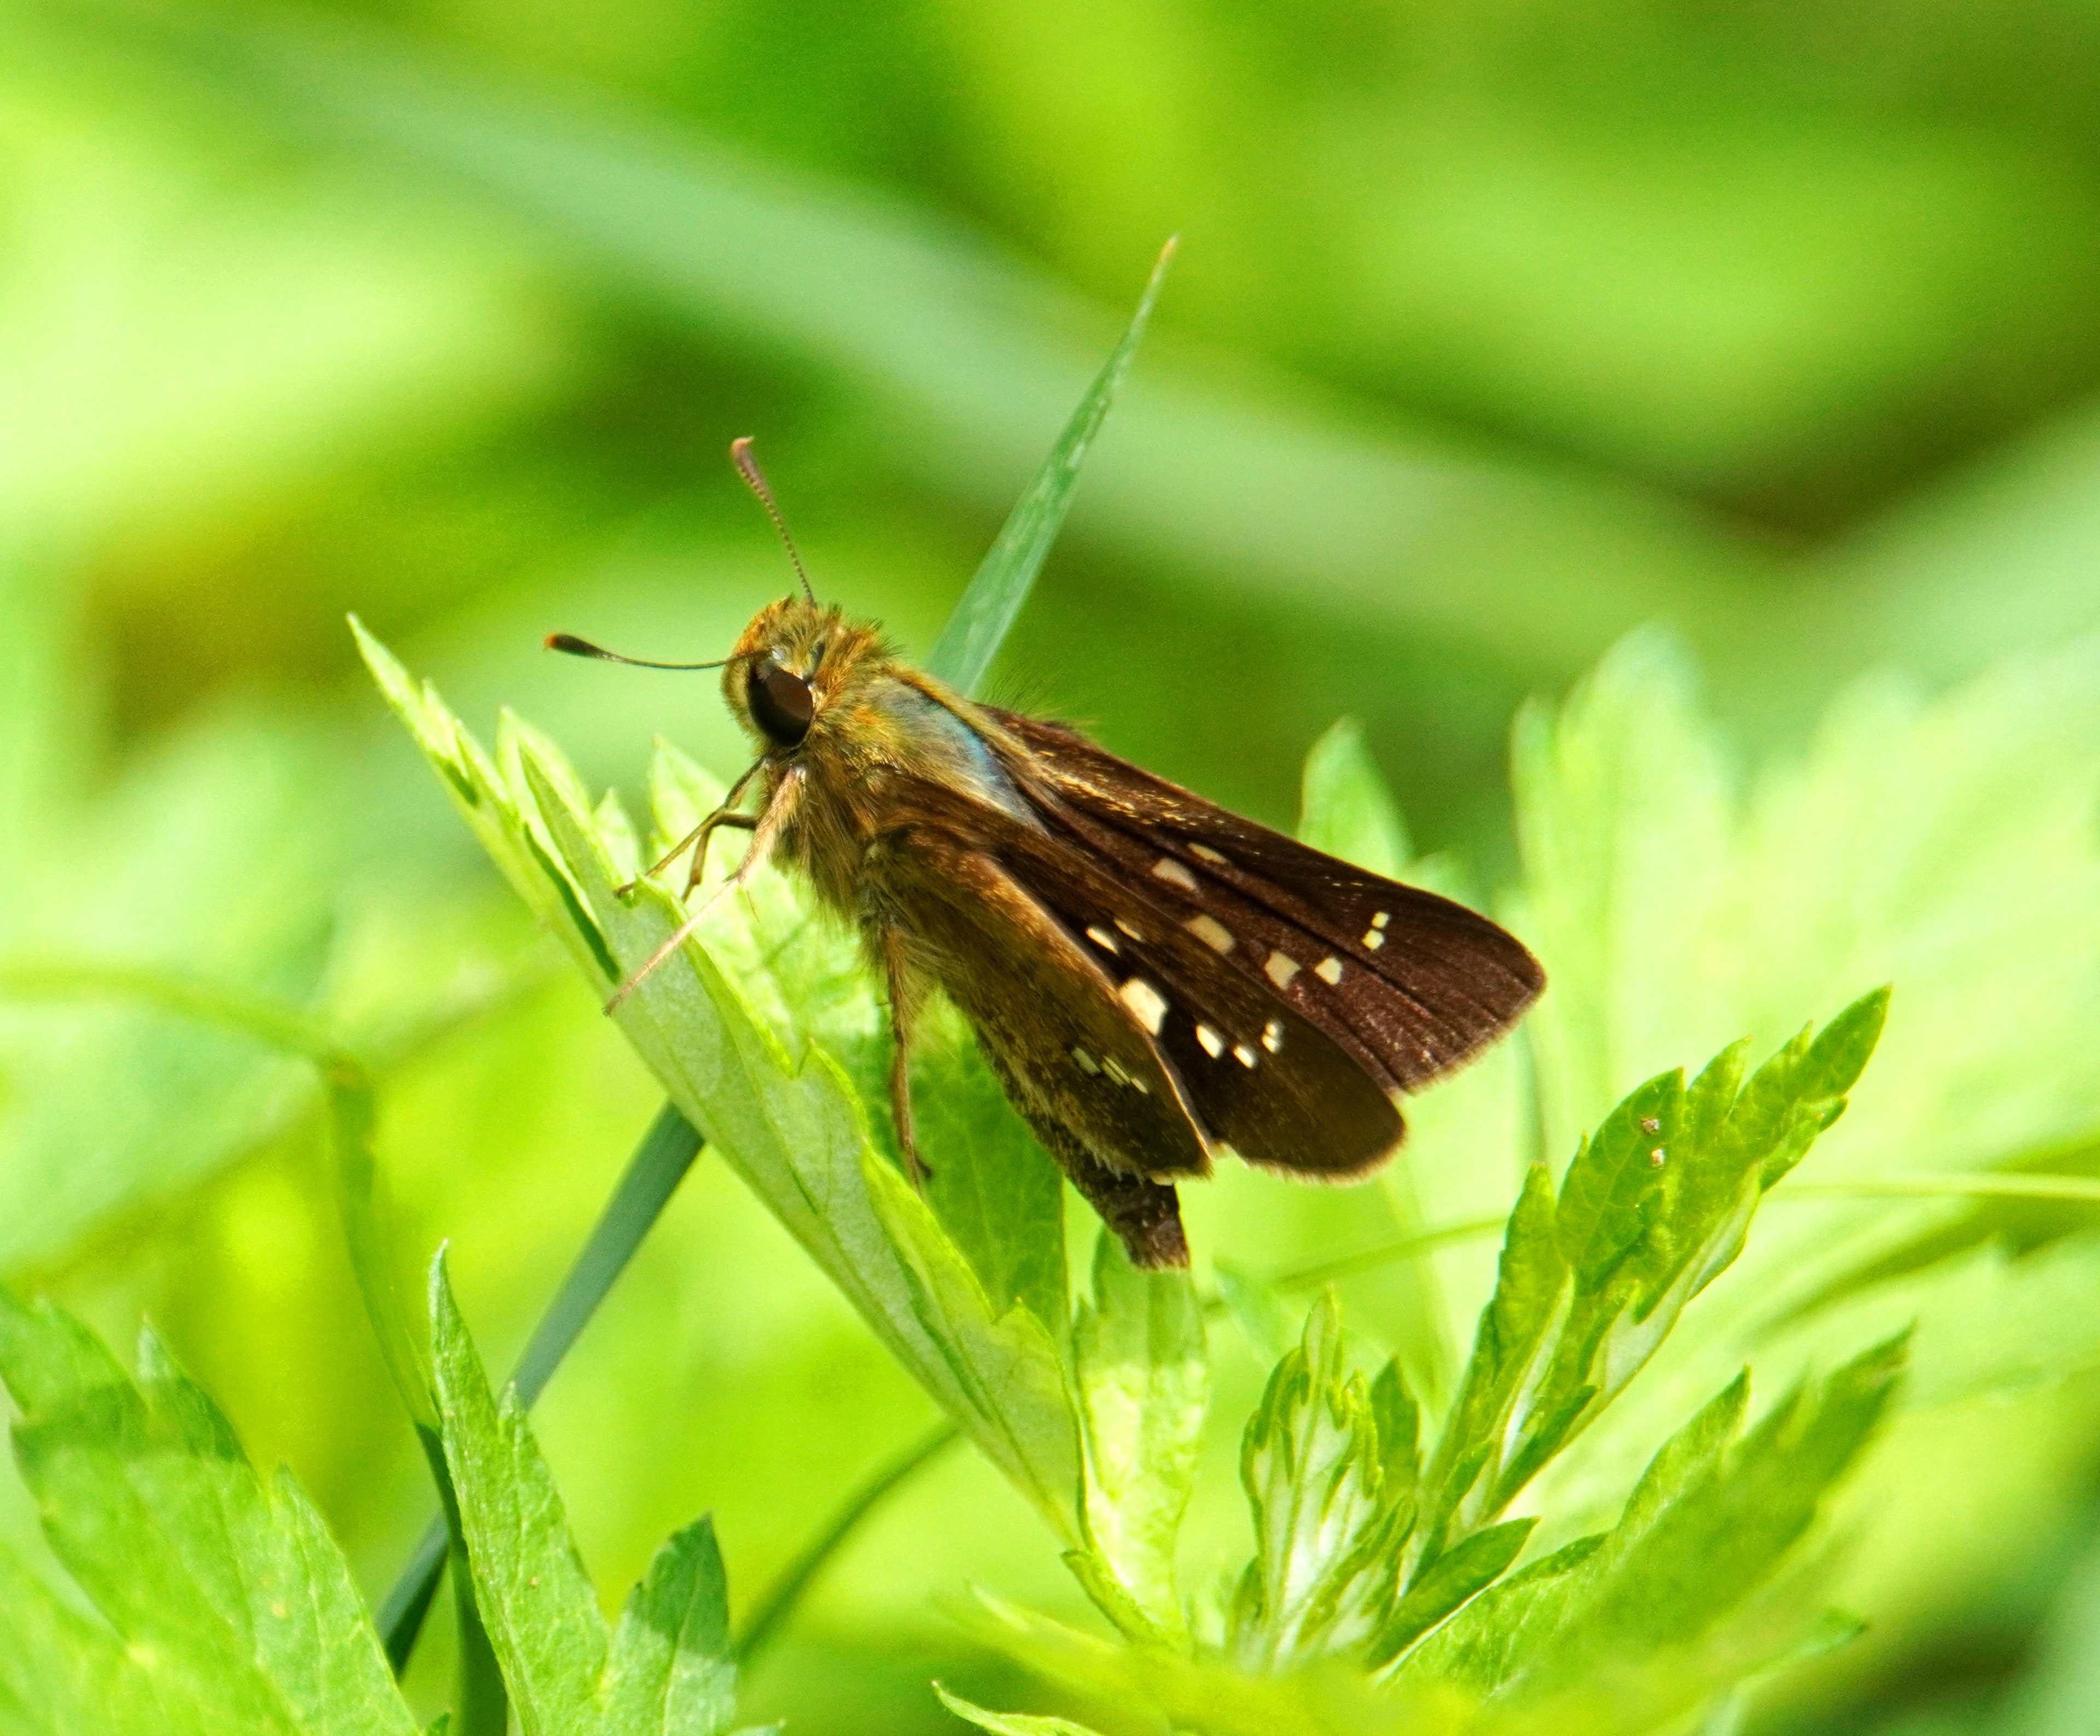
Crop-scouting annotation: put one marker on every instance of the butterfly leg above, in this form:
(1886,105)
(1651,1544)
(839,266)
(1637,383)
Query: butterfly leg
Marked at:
(722,816)
(763,835)
(741,822)
(905,994)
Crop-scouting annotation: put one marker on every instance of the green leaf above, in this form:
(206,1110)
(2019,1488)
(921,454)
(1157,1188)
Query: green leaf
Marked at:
(668,1668)
(672,1670)
(972,355)
(774,1071)
(1265,1322)
(1453,1577)
(1210,1694)
(1143,1377)
(1327,1528)
(1675,912)
(534,1595)
(1347,807)
(213,857)
(981,618)
(1651,1209)
(1711,1521)
(1607,1194)
(225,1598)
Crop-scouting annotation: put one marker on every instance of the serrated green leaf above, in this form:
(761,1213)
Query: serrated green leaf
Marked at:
(1346,807)
(535,1597)
(1651,1209)
(986,609)
(770,1093)
(1143,1376)
(1604,1205)
(1458,1574)
(1327,1530)
(672,1671)
(1710,1522)
(225,1597)
(667,1670)
(1514,1330)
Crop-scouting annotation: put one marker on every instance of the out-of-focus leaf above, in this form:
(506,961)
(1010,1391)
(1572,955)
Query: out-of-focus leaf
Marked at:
(1348,808)
(1263,485)
(1009,1723)
(239,341)
(1945,847)
(213,859)
(227,1602)
(1204,1694)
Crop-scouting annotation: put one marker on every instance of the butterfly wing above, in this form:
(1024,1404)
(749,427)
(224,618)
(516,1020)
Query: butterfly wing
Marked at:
(1417,983)
(1259,1076)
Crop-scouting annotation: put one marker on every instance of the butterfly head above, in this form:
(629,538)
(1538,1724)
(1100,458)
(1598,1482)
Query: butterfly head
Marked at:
(795,658)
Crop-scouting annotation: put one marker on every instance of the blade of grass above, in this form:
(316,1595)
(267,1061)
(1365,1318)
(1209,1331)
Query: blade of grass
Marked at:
(1003,579)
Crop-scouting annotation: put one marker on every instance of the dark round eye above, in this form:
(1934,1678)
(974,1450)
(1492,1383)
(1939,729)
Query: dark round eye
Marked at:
(780,703)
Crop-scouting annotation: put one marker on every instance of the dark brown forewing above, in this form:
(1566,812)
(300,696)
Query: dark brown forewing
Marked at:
(1079,1066)
(1263,1079)
(1408,984)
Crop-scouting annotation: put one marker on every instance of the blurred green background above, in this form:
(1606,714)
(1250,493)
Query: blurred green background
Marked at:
(1497,331)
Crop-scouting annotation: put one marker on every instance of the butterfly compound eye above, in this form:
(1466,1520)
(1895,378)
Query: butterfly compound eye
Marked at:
(781,704)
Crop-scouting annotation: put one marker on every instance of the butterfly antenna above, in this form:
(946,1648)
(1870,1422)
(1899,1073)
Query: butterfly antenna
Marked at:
(747,466)
(576,647)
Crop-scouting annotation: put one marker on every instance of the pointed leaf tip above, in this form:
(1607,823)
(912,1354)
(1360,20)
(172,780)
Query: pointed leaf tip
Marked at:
(987,610)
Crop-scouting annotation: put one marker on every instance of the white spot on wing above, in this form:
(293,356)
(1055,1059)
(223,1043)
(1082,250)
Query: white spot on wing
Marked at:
(1130,931)
(1175,873)
(1272,1036)
(1103,939)
(1086,1063)
(1244,1055)
(1381,918)
(1282,968)
(1211,933)
(1146,1001)
(1329,969)
(1115,1072)
(1214,1045)
(1373,940)
(1207,853)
